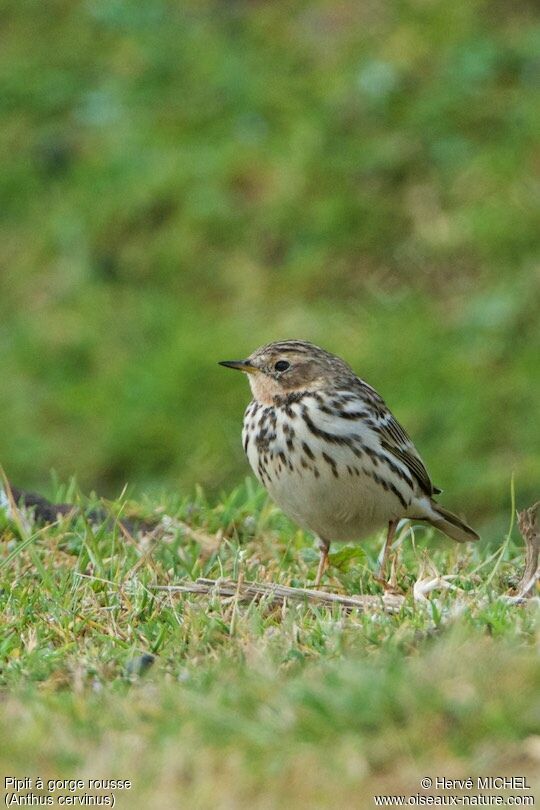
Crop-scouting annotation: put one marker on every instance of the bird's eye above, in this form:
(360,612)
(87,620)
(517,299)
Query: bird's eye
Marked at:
(282,365)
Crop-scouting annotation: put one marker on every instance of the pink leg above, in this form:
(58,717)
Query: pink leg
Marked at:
(324,547)
(392,525)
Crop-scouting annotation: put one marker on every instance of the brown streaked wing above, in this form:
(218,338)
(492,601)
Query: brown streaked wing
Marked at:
(395,440)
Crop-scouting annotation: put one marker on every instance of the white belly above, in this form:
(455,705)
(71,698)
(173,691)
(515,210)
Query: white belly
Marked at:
(324,486)
(344,508)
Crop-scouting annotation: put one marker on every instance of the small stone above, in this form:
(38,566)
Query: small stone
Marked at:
(140,664)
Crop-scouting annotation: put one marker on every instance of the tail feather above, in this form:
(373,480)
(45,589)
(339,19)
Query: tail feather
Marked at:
(450,524)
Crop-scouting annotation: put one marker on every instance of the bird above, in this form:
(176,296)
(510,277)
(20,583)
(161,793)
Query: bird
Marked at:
(330,453)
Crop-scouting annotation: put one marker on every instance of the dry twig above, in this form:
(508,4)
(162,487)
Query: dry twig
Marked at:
(279,594)
(528,526)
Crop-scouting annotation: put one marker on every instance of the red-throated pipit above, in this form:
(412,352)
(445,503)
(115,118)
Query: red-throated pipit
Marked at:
(330,453)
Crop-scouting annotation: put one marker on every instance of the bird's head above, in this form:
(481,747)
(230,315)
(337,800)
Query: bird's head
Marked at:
(289,366)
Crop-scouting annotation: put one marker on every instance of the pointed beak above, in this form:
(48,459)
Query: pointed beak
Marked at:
(240,365)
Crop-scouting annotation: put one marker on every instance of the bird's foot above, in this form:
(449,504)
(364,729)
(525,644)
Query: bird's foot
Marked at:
(390,586)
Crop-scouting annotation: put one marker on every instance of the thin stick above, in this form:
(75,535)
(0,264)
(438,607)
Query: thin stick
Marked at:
(528,526)
(254,591)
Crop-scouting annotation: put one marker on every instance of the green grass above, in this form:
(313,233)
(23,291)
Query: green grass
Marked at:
(249,705)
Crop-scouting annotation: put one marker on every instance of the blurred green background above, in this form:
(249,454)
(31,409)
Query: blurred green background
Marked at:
(181,182)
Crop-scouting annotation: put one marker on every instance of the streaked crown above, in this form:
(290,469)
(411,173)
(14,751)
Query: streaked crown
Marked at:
(286,366)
